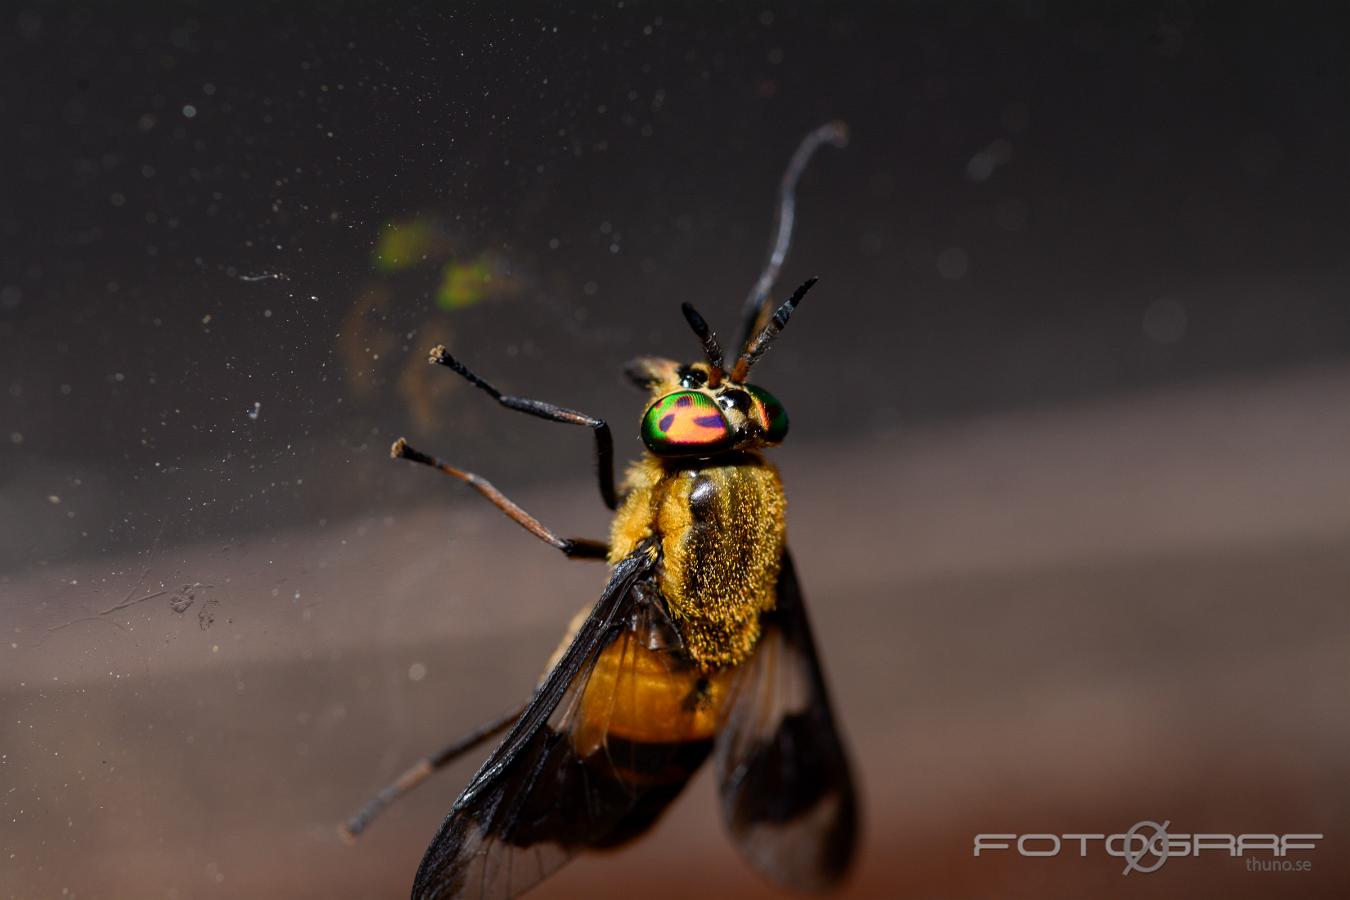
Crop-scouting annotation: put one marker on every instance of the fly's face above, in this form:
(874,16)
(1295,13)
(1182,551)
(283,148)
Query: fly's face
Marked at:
(697,412)
(702,409)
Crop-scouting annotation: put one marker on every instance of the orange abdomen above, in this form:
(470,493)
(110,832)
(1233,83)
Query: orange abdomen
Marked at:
(634,694)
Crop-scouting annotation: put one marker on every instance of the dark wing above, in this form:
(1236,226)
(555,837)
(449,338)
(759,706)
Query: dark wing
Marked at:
(787,796)
(561,782)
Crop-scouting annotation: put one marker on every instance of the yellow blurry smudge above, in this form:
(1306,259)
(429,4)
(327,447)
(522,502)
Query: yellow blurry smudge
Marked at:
(464,284)
(402,245)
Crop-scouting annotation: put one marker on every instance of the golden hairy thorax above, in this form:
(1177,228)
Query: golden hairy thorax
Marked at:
(721,528)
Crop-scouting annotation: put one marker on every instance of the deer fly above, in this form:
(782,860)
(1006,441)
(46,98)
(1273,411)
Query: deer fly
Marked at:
(698,647)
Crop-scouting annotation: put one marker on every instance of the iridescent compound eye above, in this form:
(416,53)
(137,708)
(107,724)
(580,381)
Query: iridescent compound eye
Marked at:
(685,423)
(769,413)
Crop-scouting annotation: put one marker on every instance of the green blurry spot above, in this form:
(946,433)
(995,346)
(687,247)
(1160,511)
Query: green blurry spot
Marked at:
(464,284)
(404,244)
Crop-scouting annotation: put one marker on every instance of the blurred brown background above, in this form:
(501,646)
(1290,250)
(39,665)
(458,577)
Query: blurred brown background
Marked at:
(1068,473)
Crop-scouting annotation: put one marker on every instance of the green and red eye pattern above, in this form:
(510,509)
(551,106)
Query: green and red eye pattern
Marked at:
(689,423)
(685,422)
(770,413)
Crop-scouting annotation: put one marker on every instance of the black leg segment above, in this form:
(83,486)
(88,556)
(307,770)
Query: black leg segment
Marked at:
(604,440)
(576,548)
(421,770)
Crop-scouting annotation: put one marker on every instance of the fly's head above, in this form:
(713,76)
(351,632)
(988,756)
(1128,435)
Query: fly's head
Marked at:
(702,409)
(694,413)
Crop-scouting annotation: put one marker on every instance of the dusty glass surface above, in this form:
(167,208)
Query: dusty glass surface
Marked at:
(1069,448)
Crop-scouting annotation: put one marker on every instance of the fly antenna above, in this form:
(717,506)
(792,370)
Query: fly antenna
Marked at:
(711,348)
(755,348)
(756,307)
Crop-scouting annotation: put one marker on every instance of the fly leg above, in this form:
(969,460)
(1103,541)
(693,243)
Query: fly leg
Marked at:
(421,770)
(574,548)
(604,440)
(427,765)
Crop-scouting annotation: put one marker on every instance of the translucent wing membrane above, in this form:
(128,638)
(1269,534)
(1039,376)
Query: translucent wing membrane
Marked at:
(610,738)
(787,795)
